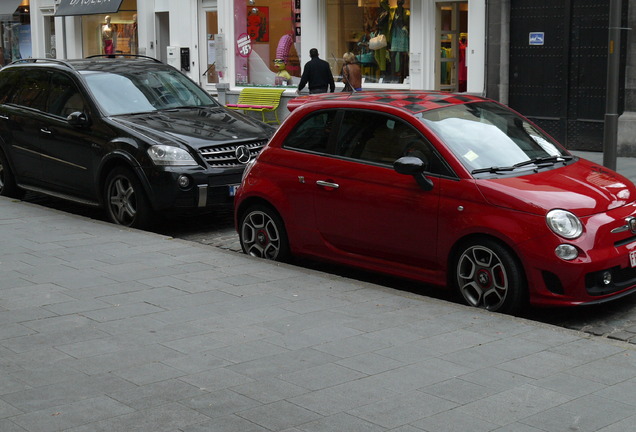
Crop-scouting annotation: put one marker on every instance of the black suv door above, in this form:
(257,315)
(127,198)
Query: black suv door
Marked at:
(68,152)
(22,105)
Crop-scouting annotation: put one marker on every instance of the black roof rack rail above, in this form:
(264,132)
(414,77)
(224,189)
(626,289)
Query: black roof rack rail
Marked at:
(124,56)
(42,60)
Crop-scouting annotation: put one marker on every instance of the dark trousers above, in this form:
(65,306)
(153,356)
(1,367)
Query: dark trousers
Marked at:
(318,90)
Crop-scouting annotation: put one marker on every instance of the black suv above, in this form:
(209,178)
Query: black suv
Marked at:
(132,135)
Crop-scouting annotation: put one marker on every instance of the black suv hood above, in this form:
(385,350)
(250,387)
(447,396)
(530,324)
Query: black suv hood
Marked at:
(196,127)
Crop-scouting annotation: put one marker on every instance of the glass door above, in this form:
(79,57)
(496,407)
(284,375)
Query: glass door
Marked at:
(211,31)
(452,39)
(211,46)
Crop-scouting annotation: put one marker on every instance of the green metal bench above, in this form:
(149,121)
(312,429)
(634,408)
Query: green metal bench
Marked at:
(259,99)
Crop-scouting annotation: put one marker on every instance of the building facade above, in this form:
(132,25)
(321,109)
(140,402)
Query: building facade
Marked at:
(533,55)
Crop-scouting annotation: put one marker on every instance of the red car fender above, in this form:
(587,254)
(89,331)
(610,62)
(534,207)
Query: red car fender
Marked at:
(276,195)
(465,214)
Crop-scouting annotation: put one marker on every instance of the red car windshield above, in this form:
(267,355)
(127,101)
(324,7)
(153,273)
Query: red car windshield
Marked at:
(487,137)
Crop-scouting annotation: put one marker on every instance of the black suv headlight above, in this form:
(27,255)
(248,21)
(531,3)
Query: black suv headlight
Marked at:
(170,155)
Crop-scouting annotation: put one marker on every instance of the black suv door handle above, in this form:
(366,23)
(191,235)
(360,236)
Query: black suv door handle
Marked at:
(46,131)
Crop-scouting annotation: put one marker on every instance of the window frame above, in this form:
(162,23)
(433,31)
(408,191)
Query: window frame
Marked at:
(332,140)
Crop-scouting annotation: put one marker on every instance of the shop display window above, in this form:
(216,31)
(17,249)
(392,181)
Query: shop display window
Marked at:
(113,34)
(376,31)
(266,42)
(15,35)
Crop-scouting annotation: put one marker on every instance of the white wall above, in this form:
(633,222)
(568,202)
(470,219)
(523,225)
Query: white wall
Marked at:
(476,50)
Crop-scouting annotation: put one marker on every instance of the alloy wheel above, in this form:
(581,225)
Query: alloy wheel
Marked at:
(261,235)
(482,278)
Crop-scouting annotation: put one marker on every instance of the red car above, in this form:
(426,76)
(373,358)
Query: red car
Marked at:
(452,190)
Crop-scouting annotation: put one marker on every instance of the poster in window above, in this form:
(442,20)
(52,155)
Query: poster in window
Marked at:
(258,23)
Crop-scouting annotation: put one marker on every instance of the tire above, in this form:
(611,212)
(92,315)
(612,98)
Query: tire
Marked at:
(125,200)
(8,186)
(489,276)
(263,235)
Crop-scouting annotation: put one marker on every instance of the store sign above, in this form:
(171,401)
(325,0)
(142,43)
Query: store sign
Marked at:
(537,38)
(87,7)
(244,45)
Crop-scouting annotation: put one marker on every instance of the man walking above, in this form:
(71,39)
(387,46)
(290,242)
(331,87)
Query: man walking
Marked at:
(318,74)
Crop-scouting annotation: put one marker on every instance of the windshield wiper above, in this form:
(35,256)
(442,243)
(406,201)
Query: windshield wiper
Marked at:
(538,161)
(492,170)
(544,160)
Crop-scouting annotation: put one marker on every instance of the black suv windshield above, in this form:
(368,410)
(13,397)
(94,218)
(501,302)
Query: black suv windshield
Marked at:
(144,91)
(488,138)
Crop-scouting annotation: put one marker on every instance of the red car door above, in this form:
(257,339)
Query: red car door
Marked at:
(366,211)
(373,213)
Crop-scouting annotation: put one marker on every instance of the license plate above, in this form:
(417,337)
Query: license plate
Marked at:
(632,258)
(233,189)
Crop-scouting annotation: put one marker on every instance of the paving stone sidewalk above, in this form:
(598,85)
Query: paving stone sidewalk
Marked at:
(110,329)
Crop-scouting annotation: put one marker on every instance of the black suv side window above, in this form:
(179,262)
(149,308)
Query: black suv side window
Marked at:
(64,96)
(312,133)
(31,89)
(9,82)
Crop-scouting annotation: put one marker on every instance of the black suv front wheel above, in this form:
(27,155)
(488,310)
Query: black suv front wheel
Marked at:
(125,200)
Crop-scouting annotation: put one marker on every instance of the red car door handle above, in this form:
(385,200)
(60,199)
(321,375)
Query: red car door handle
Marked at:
(327,184)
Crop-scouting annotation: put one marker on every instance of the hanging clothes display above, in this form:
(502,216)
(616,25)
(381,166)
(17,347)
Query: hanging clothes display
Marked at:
(399,33)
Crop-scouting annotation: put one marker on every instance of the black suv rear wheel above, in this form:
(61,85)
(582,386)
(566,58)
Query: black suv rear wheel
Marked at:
(8,187)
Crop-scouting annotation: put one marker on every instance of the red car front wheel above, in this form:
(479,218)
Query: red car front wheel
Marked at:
(489,276)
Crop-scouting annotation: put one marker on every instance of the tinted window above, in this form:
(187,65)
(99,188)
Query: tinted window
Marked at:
(312,133)
(9,82)
(31,89)
(64,96)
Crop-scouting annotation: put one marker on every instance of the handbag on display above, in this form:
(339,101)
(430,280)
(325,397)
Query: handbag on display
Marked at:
(366,58)
(377,42)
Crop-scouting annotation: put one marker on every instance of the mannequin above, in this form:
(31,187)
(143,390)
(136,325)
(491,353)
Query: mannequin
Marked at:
(399,37)
(382,26)
(108,34)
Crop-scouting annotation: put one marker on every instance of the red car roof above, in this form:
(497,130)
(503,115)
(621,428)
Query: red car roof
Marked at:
(411,100)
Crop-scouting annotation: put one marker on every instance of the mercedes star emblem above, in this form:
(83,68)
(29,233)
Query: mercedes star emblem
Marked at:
(242,154)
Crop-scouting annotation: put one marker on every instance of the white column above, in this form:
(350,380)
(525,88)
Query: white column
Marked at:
(476,49)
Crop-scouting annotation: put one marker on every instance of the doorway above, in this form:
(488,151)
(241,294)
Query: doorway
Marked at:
(451,37)
(558,67)
(209,55)
(162,32)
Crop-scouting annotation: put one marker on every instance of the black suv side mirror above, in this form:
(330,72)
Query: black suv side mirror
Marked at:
(415,166)
(78,119)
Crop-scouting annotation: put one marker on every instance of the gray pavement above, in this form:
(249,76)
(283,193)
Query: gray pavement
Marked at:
(110,329)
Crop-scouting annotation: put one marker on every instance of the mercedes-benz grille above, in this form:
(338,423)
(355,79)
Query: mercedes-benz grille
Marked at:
(225,155)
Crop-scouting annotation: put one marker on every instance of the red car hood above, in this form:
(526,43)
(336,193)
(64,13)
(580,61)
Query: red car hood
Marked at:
(582,187)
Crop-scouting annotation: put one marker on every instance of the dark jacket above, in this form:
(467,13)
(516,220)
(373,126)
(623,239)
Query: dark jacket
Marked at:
(318,74)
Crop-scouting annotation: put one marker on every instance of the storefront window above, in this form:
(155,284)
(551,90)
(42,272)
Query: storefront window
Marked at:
(376,31)
(114,34)
(15,35)
(266,41)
